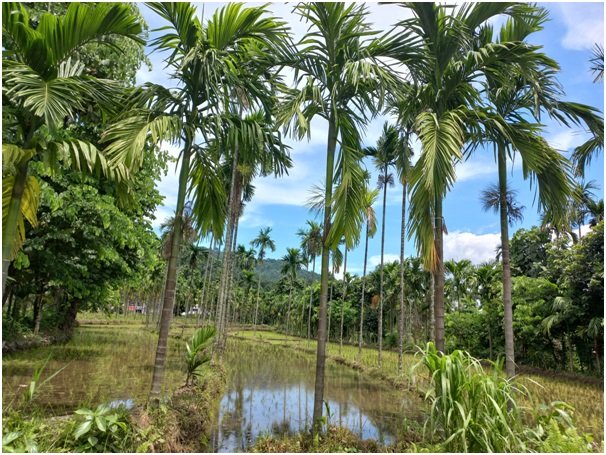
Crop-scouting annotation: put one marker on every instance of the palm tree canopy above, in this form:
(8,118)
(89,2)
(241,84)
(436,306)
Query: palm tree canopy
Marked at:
(339,78)
(293,261)
(215,71)
(311,239)
(491,200)
(43,85)
(263,242)
(445,95)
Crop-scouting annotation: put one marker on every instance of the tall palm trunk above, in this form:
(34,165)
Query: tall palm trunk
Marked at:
(321,345)
(37,313)
(171,280)
(343,299)
(439,278)
(225,272)
(204,278)
(382,254)
(330,305)
(402,295)
(311,296)
(257,304)
(289,306)
(510,368)
(363,289)
(212,293)
(230,288)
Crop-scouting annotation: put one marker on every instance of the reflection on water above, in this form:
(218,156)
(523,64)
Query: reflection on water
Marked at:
(271,390)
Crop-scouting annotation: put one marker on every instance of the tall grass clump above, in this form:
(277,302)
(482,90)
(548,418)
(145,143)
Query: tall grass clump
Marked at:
(471,410)
(476,410)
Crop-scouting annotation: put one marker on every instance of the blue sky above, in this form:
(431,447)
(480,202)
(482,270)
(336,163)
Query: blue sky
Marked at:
(473,234)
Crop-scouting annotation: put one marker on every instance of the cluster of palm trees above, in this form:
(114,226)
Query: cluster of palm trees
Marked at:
(444,74)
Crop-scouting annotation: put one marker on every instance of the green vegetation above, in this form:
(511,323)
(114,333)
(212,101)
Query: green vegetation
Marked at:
(95,295)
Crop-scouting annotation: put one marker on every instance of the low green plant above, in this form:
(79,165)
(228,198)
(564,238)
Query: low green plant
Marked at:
(555,430)
(35,384)
(104,429)
(196,356)
(471,410)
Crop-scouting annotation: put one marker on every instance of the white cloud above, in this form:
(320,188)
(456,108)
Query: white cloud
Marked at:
(387,259)
(477,248)
(472,169)
(584,26)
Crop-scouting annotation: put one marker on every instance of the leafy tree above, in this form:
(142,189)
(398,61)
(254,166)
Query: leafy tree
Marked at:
(447,102)
(529,252)
(43,86)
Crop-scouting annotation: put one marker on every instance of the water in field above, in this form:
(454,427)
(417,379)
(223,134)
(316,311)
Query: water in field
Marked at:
(271,390)
(99,365)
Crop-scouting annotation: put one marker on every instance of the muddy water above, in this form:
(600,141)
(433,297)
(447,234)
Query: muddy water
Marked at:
(270,390)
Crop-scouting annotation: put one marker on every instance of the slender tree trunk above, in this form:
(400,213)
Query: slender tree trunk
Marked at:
(321,346)
(432,306)
(402,291)
(223,297)
(343,299)
(510,368)
(230,288)
(204,279)
(257,304)
(171,281)
(212,293)
(360,338)
(439,278)
(311,297)
(330,305)
(382,254)
(37,316)
(288,311)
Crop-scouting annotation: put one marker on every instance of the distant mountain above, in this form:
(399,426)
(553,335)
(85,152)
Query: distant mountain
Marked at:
(269,271)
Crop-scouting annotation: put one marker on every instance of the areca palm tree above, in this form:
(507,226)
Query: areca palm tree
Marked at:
(403,165)
(43,86)
(293,261)
(339,79)
(384,157)
(210,62)
(446,99)
(370,197)
(311,243)
(263,242)
(512,97)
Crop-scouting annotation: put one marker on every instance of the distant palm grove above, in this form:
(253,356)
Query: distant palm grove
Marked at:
(84,146)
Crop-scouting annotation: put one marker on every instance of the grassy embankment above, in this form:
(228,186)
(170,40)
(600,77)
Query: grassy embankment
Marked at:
(584,394)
